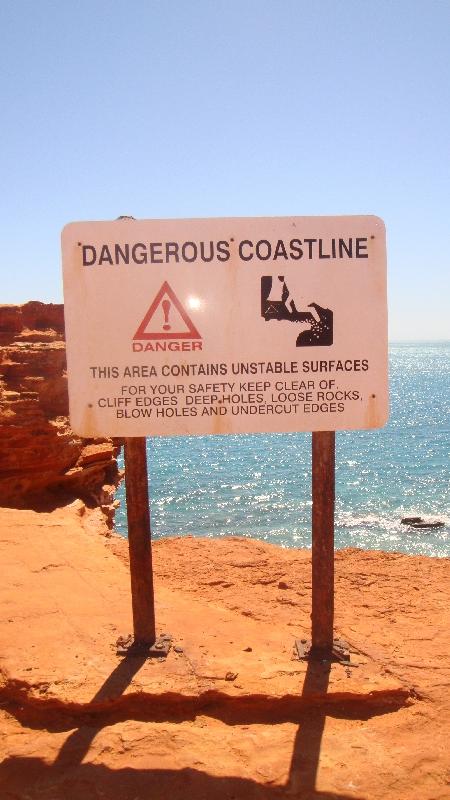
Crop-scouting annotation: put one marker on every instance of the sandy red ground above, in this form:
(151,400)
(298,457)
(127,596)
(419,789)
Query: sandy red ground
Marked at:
(79,722)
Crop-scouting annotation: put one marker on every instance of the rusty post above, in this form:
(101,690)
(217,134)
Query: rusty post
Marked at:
(139,541)
(323,494)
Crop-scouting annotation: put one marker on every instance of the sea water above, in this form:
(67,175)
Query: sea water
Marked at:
(259,486)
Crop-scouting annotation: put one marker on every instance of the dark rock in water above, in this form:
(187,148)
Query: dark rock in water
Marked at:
(436,524)
(419,522)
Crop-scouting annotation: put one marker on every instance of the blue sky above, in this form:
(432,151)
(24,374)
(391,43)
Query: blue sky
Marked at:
(236,108)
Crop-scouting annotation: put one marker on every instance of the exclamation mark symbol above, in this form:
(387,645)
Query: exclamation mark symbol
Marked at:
(166,304)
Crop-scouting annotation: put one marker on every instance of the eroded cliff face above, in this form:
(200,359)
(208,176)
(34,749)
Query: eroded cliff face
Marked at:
(42,461)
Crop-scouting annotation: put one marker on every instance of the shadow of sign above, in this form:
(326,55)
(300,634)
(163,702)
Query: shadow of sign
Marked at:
(69,778)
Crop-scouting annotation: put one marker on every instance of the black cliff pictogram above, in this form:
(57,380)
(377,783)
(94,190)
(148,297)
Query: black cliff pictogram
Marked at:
(278,304)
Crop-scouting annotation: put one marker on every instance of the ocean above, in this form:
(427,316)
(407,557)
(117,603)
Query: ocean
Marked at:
(259,486)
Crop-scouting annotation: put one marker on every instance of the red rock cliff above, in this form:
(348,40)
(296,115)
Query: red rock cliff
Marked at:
(42,461)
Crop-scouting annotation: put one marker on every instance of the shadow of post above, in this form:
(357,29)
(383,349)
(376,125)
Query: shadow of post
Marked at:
(308,741)
(78,743)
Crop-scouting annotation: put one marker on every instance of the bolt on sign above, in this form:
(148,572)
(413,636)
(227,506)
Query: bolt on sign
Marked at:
(213,326)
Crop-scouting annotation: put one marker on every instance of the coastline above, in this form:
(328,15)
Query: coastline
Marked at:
(231,712)
(375,730)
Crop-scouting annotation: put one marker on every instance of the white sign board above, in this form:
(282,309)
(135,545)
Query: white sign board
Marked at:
(218,326)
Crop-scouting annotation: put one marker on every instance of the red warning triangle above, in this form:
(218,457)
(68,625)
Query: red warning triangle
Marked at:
(166,323)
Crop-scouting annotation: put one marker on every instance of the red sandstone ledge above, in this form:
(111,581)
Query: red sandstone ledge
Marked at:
(42,462)
(233,607)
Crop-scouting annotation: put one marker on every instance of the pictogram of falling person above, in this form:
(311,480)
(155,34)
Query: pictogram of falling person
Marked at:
(277,303)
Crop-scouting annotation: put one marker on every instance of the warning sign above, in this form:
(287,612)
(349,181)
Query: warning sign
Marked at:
(181,327)
(166,318)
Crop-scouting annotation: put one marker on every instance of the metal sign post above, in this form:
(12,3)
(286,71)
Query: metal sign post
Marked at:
(322,645)
(144,640)
(323,491)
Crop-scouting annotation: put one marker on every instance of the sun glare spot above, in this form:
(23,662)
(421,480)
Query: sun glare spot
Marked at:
(194,303)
